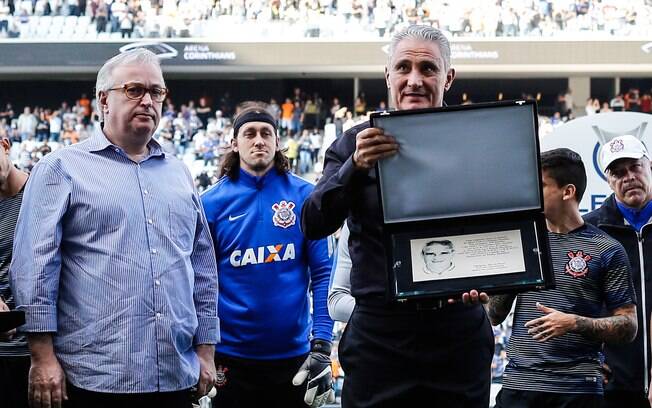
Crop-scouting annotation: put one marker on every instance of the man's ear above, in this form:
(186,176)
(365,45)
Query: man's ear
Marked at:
(5,144)
(569,192)
(450,76)
(387,78)
(103,101)
(234,144)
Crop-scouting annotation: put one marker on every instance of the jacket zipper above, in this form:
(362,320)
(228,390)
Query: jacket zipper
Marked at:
(644,309)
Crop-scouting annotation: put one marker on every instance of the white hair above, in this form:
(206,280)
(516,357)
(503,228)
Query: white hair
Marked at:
(137,56)
(425,33)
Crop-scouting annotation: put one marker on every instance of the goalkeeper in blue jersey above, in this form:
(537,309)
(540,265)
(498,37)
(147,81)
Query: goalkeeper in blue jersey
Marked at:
(273,350)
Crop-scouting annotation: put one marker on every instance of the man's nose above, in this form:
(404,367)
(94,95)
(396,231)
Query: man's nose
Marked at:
(415,79)
(259,139)
(146,99)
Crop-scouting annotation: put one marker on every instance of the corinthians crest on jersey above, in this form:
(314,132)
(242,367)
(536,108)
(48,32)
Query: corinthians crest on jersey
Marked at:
(577,266)
(284,217)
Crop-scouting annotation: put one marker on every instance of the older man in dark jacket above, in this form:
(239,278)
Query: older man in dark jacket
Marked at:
(625,216)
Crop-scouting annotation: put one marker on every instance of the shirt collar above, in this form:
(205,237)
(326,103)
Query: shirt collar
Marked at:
(98,142)
(258,182)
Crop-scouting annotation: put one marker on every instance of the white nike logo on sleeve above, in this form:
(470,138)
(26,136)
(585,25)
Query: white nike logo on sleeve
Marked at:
(232,218)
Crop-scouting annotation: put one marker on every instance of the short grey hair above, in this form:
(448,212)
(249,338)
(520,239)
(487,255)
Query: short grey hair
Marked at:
(137,56)
(425,33)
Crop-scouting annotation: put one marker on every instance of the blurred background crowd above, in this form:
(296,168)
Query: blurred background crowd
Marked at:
(320,18)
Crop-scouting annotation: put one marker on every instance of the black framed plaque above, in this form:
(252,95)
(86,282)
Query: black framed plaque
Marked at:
(462,201)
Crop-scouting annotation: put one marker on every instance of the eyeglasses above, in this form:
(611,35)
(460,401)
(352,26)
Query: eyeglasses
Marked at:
(138,91)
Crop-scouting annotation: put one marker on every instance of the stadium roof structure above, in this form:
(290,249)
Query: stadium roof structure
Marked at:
(197,59)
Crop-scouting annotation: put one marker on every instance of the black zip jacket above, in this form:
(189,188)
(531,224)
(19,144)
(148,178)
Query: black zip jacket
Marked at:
(630,362)
(345,192)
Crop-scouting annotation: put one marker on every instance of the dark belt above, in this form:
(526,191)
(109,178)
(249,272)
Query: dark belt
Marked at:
(407,305)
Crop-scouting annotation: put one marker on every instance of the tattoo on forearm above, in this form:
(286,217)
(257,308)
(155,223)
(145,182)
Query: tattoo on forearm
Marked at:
(498,307)
(616,329)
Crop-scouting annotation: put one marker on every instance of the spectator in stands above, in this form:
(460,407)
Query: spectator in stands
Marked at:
(305,153)
(204,111)
(297,118)
(592,106)
(617,103)
(27,124)
(4,17)
(633,101)
(646,103)
(310,114)
(126,24)
(360,106)
(569,104)
(220,121)
(275,110)
(118,10)
(42,127)
(7,113)
(55,126)
(286,116)
(101,269)
(335,107)
(85,108)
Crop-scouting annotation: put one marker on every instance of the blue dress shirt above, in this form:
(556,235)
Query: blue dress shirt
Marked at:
(115,259)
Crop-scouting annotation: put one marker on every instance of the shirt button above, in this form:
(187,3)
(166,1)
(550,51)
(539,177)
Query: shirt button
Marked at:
(158,315)
(145,192)
(150,222)
(157,282)
(154,250)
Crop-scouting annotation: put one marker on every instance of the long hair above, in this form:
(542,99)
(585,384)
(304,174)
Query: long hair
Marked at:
(230,165)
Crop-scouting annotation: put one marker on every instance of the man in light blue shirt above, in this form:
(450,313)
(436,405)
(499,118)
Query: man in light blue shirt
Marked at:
(113,261)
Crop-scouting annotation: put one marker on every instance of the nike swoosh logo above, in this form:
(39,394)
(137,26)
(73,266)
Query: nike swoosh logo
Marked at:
(232,218)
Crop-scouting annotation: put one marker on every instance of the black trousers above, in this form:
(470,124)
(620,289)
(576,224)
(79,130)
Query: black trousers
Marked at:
(620,399)
(14,372)
(258,383)
(80,398)
(508,398)
(402,357)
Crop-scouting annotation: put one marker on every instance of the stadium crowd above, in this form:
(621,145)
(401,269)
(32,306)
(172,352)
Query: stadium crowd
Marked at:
(199,131)
(194,131)
(321,18)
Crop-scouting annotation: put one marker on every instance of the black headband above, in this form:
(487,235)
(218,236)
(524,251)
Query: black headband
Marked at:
(253,116)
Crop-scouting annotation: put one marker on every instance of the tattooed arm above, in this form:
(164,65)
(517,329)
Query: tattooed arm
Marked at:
(619,328)
(498,308)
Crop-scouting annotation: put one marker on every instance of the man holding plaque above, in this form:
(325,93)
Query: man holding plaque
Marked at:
(413,352)
(625,216)
(555,348)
